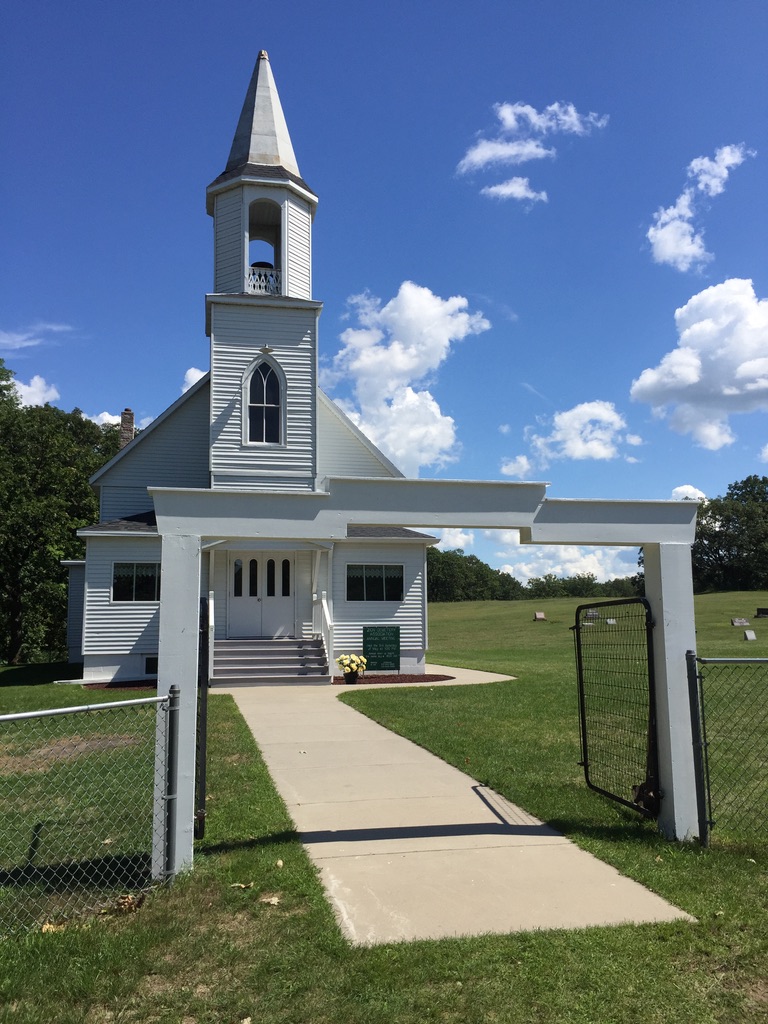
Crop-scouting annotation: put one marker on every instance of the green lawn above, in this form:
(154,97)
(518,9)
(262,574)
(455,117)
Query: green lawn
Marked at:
(77,797)
(250,935)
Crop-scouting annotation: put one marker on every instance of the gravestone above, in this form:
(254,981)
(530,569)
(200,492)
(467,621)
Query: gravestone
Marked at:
(749,634)
(739,622)
(761,613)
(610,622)
(539,617)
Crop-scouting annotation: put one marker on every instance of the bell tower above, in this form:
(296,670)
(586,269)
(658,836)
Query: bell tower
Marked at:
(260,205)
(261,318)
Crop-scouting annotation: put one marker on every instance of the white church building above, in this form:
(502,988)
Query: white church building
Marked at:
(254,497)
(257,428)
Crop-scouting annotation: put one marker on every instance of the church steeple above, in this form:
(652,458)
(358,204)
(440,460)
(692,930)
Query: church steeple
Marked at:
(261,317)
(262,209)
(262,135)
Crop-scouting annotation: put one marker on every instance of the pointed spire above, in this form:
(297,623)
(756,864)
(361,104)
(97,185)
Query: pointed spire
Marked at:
(262,134)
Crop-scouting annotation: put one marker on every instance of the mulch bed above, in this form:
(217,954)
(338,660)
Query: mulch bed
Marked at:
(396,678)
(388,680)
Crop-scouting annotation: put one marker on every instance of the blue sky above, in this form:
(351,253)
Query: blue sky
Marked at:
(541,238)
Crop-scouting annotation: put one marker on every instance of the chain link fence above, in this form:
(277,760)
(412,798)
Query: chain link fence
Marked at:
(729,707)
(84,795)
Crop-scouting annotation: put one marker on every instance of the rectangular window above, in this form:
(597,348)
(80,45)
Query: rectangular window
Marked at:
(136,581)
(374,583)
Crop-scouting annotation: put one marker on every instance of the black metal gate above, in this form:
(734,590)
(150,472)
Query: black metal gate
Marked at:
(617,706)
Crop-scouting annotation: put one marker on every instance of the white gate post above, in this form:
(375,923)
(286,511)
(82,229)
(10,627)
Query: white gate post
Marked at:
(177,663)
(669,589)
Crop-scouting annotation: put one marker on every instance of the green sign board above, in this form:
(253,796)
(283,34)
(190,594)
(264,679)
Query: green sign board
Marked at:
(381,647)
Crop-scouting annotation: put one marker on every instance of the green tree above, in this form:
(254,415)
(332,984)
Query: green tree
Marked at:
(731,547)
(454,576)
(548,585)
(46,458)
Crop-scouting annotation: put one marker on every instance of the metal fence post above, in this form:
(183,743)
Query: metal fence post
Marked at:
(698,746)
(171,783)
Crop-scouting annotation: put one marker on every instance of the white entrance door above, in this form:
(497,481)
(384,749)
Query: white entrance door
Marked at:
(261,594)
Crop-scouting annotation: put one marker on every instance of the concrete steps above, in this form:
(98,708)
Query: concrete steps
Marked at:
(263,662)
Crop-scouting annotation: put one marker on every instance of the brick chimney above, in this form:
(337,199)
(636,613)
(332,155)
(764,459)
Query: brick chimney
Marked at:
(127,430)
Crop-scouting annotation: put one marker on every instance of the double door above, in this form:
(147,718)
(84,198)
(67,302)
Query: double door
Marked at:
(261,594)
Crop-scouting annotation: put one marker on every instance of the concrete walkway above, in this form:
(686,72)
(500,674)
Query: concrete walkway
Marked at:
(409,847)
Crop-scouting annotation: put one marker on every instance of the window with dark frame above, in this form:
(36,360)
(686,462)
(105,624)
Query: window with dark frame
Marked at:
(368,582)
(264,406)
(136,581)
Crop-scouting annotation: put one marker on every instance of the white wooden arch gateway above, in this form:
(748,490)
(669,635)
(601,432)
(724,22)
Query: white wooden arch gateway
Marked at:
(189,518)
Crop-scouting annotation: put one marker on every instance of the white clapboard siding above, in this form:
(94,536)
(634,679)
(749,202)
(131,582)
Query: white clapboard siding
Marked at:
(299,250)
(229,244)
(125,627)
(350,617)
(303,584)
(75,601)
(237,337)
(119,502)
(341,449)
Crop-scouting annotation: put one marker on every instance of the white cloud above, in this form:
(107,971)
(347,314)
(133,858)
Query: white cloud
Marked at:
(29,337)
(395,348)
(711,175)
(104,417)
(526,562)
(591,430)
(410,429)
(500,151)
(453,538)
(519,466)
(144,422)
(515,188)
(37,392)
(720,366)
(518,140)
(674,238)
(687,492)
(504,428)
(557,117)
(192,376)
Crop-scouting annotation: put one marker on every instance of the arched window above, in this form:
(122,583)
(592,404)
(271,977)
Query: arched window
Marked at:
(264,405)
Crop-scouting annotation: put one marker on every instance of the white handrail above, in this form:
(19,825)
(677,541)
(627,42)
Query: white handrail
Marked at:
(211,633)
(325,626)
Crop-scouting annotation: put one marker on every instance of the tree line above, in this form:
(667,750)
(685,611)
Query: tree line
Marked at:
(46,458)
(456,576)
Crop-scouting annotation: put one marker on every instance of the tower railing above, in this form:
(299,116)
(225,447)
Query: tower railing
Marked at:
(264,281)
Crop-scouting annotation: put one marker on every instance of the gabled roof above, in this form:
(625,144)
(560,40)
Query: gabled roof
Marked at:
(152,426)
(142,523)
(339,413)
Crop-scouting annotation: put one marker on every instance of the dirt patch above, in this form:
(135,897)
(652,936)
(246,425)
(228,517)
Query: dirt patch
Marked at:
(396,678)
(65,748)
